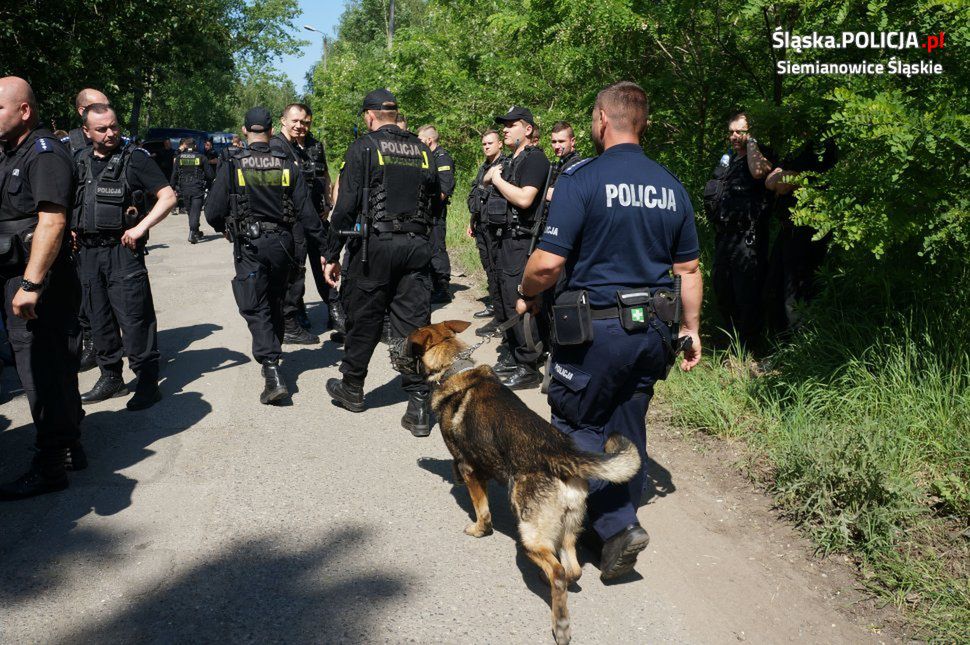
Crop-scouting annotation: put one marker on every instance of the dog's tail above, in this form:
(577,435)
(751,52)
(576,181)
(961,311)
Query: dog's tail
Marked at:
(620,463)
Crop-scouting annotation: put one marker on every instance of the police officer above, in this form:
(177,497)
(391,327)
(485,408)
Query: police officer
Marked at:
(299,145)
(191,176)
(736,202)
(395,274)
(516,202)
(76,141)
(257,196)
(563,141)
(440,264)
(618,226)
(41,292)
(485,234)
(121,194)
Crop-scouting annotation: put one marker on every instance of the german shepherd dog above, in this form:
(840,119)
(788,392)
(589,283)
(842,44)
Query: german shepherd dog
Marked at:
(492,434)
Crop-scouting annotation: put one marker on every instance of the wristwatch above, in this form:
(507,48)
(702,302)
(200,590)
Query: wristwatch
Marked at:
(29,286)
(523,296)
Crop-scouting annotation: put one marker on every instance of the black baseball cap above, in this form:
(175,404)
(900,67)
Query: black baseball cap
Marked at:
(258,119)
(516,113)
(379,100)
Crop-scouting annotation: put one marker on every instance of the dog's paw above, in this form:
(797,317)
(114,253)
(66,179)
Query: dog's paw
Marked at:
(475,530)
(574,573)
(562,632)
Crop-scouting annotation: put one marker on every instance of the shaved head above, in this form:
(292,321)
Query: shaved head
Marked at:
(87,96)
(18,109)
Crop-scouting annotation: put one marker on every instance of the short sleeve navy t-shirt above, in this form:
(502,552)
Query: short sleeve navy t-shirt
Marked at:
(622,221)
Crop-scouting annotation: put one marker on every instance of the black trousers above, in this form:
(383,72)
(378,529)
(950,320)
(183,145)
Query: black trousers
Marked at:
(193,203)
(305,248)
(46,352)
(396,279)
(260,287)
(440,263)
(513,253)
(738,279)
(488,242)
(120,307)
(795,259)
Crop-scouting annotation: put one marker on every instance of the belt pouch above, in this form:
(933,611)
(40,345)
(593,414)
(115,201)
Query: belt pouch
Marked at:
(572,319)
(633,306)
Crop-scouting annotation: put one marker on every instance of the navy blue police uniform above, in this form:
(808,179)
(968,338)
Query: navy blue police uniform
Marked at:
(621,220)
(191,175)
(38,171)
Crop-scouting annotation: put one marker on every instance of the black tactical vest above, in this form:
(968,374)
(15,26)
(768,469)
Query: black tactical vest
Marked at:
(400,173)
(104,204)
(499,212)
(190,171)
(262,181)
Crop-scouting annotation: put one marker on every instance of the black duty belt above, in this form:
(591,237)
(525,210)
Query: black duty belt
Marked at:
(605,313)
(94,240)
(400,227)
(266,226)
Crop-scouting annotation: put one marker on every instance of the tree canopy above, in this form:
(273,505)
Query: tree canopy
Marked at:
(901,181)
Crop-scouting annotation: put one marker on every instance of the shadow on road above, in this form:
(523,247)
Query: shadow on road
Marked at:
(258,593)
(659,482)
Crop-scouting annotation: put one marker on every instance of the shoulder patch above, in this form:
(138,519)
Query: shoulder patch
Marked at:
(576,166)
(43,144)
(135,149)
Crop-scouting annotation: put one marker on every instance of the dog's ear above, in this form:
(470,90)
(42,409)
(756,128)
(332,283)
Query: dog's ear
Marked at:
(457,326)
(418,341)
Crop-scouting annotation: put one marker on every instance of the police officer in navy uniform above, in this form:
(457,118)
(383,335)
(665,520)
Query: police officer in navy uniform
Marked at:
(517,185)
(740,216)
(619,224)
(299,145)
(191,176)
(121,194)
(41,292)
(440,263)
(257,196)
(396,274)
(484,234)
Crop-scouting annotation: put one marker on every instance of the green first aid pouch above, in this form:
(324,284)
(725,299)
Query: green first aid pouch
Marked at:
(634,307)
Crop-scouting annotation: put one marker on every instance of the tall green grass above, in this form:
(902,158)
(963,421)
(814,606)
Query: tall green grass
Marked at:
(860,427)
(461,248)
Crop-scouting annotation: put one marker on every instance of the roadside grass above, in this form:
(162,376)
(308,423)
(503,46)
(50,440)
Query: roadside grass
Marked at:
(859,426)
(461,248)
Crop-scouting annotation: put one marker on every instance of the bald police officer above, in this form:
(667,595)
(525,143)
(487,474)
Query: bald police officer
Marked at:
(621,227)
(41,292)
(256,198)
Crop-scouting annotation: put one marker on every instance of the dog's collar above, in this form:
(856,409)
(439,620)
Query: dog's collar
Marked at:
(459,366)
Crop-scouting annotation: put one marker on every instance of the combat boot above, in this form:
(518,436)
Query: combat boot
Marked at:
(417,418)
(349,396)
(108,386)
(338,319)
(89,357)
(46,475)
(75,458)
(294,334)
(524,377)
(487,312)
(147,393)
(275,389)
(487,329)
(386,331)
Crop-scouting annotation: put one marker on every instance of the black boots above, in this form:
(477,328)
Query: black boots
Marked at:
(88,355)
(147,393)
(417,419)
(620,552)
(295,334)
(194,237)
(46,475)
(275,389)
(487,312)
(386,331)
(487,329)
(347,395)
(108,386)
(524,377)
